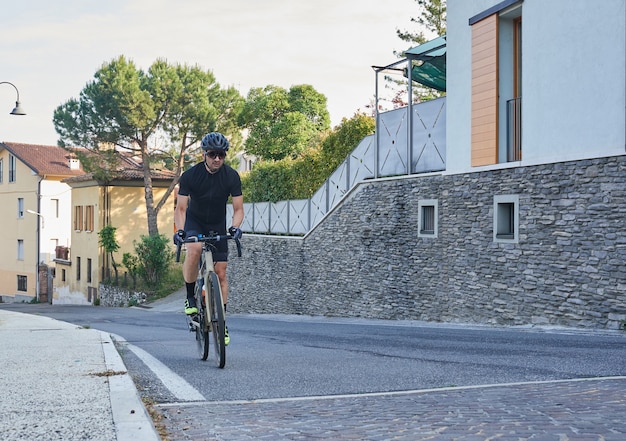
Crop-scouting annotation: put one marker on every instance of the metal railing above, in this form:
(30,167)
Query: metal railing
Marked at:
(394,150)
(514,129)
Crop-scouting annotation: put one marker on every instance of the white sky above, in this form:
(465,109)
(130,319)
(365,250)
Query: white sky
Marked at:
(51,49)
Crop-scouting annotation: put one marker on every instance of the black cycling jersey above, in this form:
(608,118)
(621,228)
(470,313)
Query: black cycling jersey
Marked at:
(208,195)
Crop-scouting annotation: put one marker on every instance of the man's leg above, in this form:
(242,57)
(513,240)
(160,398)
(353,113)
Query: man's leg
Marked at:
(220,270)
(190,274)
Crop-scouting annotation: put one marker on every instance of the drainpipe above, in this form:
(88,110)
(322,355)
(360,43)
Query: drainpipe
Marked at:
(409,125)
(37,283)
(376,70)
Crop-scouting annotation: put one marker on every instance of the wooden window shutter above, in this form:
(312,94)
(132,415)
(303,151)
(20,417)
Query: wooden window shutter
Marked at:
(485,91)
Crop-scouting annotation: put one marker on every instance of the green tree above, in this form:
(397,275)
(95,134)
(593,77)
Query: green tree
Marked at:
(431,19)
(107,240)
(345,138)
(156,115)
(281,123)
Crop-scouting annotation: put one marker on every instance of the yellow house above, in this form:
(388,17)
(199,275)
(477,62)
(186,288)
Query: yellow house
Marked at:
(120,202)
(36,207)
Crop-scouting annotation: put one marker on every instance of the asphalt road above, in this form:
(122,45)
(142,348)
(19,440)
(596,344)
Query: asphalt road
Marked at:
(294,356)
(288,377)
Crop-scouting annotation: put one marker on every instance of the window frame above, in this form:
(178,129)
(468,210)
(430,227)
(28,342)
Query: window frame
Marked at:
(506,218)
(89,218)
(12,168)
(54,206)
(20,249)
(421,222)
(22,283)
(88,270)
(78,218)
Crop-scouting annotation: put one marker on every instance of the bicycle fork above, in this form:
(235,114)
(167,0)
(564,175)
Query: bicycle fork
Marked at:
(194,320)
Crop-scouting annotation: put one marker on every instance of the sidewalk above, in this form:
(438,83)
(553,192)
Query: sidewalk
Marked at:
(63,382)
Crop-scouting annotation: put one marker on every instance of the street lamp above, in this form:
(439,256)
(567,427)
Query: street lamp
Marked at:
(38,214)
(18,107)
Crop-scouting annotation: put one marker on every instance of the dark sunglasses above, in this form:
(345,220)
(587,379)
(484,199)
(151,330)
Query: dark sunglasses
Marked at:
(216,154)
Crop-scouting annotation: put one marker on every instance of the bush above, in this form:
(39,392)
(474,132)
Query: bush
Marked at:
(300,178)
(131,262)
(155,256)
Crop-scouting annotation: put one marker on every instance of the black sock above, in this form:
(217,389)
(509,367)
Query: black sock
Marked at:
(190,289)
(224,307)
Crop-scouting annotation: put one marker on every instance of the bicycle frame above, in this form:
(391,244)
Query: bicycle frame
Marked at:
(210,317)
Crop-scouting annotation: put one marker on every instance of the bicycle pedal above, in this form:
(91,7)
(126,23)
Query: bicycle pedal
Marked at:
(193,323)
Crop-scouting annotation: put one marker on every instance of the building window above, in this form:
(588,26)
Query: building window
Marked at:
(22,283)
(89,218)
(12,168)
(63,275)
(428,218)
(20,249)
(2,171)
(78,218)
(88,270)
(506,218)
(510,91)
(55,207)
(78,268)
(20,208)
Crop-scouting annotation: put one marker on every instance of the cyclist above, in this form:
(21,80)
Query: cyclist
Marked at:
(203,193)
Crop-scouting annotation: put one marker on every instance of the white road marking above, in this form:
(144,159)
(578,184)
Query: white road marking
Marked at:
(399,392)
(177,385)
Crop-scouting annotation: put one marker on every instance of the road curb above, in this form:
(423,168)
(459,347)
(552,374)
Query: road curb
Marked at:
(132,421)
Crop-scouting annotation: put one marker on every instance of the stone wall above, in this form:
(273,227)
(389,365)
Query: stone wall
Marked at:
(117,296)
(366,259)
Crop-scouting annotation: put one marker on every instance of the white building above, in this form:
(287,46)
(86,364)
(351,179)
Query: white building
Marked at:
(37,213)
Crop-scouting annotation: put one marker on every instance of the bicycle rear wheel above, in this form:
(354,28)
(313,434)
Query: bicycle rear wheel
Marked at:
(201,326)
(216,309)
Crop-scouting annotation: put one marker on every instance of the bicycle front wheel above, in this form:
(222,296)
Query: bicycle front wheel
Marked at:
(201,327)
(216,315)
(202,342)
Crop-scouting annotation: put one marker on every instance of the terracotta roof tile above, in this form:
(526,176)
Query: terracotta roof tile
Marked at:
(53,160)
(43,159)
(128,169)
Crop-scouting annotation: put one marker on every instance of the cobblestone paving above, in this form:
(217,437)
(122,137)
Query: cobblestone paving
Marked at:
(577,410)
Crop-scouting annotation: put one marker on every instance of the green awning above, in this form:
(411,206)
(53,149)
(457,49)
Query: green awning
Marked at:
(428,63)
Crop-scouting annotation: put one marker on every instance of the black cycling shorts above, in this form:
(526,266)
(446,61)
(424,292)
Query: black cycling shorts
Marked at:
(193,228)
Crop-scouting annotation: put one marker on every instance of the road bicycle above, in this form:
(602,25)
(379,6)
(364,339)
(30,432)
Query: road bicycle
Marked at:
(208,292)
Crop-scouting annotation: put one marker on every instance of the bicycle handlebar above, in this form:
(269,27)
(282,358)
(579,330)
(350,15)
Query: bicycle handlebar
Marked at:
(207,238)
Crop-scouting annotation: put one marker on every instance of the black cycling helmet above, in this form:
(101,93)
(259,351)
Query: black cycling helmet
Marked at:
(214,141)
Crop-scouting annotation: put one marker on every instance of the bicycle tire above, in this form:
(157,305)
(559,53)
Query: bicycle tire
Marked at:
(202,331)
(216,309)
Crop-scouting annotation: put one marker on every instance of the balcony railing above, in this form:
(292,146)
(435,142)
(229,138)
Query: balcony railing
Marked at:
(514,129)
(396,149)
(62,253)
